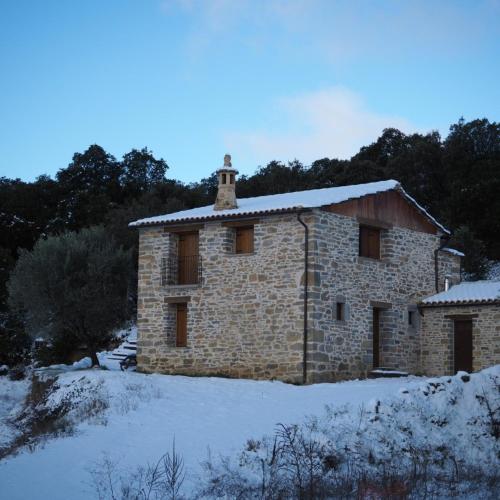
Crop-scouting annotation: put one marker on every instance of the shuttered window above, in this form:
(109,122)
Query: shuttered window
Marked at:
(181,326)
(369,242)
(244,239)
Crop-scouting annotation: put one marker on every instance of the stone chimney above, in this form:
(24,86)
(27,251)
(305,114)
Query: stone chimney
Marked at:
(226,194)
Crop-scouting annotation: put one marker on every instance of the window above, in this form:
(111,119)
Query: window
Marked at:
(188,260)
(244,239)
(411,318)
(223,178)
(369,242)
(181,326)
(340,311)
(231,178)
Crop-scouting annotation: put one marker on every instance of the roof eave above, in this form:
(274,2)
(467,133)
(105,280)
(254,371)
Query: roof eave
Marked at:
(245,215)
(458,303)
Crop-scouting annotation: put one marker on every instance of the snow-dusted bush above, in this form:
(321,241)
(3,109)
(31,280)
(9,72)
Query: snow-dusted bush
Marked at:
(438,440)
(162,480)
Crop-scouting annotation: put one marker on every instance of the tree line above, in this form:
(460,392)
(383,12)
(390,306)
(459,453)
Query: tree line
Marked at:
(457,179)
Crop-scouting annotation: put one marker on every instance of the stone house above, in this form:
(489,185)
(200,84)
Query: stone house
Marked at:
(461,328)
(317,285)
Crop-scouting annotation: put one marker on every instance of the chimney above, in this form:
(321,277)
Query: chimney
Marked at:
(226,193)
(447,283)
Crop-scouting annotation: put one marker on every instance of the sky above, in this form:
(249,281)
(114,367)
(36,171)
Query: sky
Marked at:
(261,80)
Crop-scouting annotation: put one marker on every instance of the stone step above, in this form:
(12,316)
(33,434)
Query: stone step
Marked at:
(387,373)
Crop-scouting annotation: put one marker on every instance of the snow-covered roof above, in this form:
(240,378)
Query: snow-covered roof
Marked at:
(467,292)
(285,202)
(453,251)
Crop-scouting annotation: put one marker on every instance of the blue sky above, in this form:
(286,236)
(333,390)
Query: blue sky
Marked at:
(261,80)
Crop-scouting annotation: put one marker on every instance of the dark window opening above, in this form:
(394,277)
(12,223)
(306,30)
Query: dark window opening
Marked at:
(369,242)
(340,311)
(231,178)
(411,318)
(223,178)
(244,239)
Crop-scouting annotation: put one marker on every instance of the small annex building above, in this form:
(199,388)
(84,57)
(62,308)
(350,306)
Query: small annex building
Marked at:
(461,328)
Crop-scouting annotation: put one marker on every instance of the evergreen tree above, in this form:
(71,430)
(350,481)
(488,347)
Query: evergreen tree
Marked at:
(73,288)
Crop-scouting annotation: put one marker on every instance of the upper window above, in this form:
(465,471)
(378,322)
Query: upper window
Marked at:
(244,239)
(369,242)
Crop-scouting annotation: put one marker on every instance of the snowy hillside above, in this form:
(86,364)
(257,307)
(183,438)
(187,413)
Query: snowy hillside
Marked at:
(132,419)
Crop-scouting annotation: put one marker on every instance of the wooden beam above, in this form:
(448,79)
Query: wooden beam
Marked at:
(458,317)
(184,228)
(380,305)
(177,300)
(365,221)
(240,223)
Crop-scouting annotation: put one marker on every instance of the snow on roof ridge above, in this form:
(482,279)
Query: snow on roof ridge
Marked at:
(467,291)
(280,202)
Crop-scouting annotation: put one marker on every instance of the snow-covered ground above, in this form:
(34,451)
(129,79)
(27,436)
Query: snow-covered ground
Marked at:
(132,419)
(146,412)
(12,395)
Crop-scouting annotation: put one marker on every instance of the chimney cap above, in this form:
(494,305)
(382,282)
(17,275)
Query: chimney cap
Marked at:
(227,167)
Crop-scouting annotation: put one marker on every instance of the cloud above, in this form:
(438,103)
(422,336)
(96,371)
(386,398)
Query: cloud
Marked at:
(338,30)
(333,122)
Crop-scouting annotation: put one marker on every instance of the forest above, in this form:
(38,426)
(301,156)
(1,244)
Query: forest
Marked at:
(456,178)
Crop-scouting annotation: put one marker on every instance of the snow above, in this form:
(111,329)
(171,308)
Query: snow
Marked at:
(466,292)
(287,201)
(383,371)
(12,395)
(494,273)
(77,365)
(453,251)
(146,412)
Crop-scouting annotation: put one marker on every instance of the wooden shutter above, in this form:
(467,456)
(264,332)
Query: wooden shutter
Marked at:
(463,345)
(369,242)
(181,333)
(188,258)
(244,239)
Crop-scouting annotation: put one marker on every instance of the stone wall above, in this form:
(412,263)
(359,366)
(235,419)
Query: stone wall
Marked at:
(400,279)
(438,336)
(245,319)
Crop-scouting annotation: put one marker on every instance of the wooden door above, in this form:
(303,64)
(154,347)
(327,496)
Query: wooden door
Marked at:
(181,333)
(463,345)
(188,258)
(376,337)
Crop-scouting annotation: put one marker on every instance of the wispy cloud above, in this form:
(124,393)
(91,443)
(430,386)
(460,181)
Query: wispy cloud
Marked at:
(333,122)
(337,30)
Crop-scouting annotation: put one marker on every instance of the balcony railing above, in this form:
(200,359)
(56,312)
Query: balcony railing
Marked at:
(181,270)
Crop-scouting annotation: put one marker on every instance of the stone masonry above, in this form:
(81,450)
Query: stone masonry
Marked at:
(245,319)
(438,336)
(397,282)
